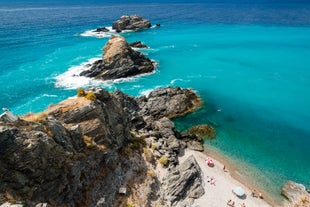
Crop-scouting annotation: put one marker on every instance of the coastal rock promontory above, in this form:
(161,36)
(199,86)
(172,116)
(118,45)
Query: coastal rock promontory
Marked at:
(95,149)
(131,22)
(119,60)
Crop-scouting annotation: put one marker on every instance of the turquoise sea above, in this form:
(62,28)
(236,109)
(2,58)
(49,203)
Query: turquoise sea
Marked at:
(250,62)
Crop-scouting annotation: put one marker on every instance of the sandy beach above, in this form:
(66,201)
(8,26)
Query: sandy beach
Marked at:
(219,193)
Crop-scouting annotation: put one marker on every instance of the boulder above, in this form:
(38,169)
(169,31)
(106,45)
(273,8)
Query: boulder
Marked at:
(296,194)
(195,145)
(131,22)
(119,61)
(138,44)
(184,183)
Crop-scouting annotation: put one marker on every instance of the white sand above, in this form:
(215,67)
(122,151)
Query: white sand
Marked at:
(217,195)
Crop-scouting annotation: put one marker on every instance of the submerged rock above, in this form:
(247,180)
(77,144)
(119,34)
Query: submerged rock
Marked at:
(205,131)
(119,60)
(131,22)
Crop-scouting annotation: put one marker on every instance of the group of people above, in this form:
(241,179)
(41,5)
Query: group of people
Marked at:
(232,203)
(256,194)
(211,180)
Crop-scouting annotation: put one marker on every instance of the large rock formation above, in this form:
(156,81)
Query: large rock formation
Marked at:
(80,152)
(119,60)
(184,183)
(296,194)
(131,22)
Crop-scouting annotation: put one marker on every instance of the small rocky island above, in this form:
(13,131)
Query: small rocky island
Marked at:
(119,60)
(128,22)
(131,22)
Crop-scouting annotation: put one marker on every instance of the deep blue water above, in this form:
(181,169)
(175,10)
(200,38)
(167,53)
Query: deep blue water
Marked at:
(249,61)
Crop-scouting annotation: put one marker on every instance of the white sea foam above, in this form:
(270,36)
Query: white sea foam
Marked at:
(72,80)
(148,91)
(93,33)
(49,95)
(172,82)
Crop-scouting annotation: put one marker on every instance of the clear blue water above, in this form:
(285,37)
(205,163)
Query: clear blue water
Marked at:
(249,62)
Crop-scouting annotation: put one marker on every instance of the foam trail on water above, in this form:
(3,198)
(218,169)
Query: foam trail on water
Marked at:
(72,80)
(93,33)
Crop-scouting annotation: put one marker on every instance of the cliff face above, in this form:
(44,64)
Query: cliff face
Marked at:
(81,152)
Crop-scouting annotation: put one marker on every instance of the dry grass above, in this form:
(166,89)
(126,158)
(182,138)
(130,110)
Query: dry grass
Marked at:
(64,106)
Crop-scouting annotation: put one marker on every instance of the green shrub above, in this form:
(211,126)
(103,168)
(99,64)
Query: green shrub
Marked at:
(91,96)
(81,93)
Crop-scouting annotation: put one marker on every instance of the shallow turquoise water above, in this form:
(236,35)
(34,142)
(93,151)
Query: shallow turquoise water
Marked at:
(252,73)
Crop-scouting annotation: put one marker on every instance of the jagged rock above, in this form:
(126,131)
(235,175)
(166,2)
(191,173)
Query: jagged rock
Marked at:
(165,126)
(169,102)
(101,29)
(131,22)
(296,194)
(119,61)
(194,145)
(138,44)
(184,182)
(79,154)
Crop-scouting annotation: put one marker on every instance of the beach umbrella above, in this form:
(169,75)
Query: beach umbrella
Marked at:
(238,191)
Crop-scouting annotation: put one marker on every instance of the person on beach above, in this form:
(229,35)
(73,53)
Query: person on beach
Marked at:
(254,194)
(212,182)
(260,195)
(231,203)
(243,205)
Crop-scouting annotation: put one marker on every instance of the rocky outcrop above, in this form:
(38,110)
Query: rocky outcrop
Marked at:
(80,152)
(138,44)
(169,102)
(101,29)
(119,61)
(131,22)
(296,194)
(184,181)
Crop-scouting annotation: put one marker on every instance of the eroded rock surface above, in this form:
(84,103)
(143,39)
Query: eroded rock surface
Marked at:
(184,183)
(131,22)
(80,152)
(119,60)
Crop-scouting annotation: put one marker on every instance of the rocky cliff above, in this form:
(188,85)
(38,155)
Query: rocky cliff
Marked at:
(97,149)
(119,60)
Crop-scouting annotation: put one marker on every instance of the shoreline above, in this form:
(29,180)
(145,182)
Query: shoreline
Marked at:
(237,175)
(221,192)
